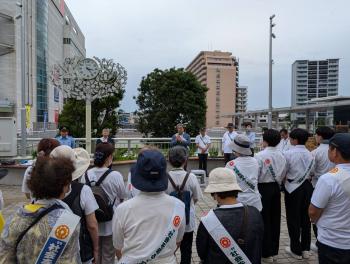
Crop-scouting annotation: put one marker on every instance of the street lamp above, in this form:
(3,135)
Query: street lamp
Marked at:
(272,35)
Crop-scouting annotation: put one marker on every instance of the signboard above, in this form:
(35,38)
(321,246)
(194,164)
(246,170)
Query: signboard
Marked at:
(56,94)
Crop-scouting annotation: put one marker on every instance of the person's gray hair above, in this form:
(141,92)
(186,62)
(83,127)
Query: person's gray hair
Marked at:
(177,156)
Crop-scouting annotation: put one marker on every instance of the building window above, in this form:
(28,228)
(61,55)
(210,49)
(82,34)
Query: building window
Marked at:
(41,58)
(66,40)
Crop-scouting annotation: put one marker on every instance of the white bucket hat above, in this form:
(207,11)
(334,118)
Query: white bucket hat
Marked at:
(241,145)
(79,156)
(222,180)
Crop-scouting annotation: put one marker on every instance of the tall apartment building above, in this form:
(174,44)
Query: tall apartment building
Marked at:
(219,72)
(51,35)
(314,79)
(241,99)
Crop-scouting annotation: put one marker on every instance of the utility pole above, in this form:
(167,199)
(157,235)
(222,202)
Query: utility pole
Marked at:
(270,72)
(23,82)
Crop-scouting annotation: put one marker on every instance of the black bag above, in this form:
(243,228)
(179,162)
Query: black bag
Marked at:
(36,220)
(105,211)
(85,241)
(184,196)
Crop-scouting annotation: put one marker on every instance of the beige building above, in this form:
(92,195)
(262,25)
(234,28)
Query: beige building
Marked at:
(219,72)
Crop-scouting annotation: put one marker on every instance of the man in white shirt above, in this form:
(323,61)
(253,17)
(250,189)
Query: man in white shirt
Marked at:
(284,144)
(227,138)
(203,144)
(251,135)
(178,158)
(271,167)
(150,225)
(105,137)
(298,191)
(322,162)
(246,169)
(330,205)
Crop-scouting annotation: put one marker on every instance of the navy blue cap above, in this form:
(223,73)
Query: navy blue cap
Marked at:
(149,173)
(341,141)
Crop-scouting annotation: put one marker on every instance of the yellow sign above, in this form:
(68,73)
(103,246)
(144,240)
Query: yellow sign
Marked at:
(28,108)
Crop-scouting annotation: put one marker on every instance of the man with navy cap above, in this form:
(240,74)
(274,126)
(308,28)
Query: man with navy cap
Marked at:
(151,225)
(64,138)
(330,204)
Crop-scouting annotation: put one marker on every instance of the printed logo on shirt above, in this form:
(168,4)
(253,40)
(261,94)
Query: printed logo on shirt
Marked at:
(334,170)
(267,161)
(231,163)
(176,221)
(62,231)
(225,242)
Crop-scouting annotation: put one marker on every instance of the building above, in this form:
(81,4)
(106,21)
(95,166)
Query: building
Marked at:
(52,35)
(241,98)
(313,79)
(219,72)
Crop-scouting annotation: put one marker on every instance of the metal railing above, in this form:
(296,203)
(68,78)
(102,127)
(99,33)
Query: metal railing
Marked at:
(129,147)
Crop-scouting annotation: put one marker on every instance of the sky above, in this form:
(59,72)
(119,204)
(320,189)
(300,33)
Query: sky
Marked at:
(144,35)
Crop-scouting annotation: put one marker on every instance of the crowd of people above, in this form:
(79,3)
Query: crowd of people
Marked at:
(83,213)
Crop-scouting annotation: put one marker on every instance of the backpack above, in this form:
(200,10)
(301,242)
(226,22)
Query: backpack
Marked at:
(85,241)
(184,196)
(105,211)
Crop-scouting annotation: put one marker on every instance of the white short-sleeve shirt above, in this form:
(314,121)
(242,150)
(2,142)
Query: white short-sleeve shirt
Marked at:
(202,142)
(114,187)
(249,168)
(87,200)
(334,223)
(270,156)
(322,162)
(192,185)
(226,141)
(141,222)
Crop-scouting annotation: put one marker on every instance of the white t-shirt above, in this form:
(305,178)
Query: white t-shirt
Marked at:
(334,223)
(192,185)
(249,168)
(26,177)
(140,223)
(322,162)
(202,142)
(226,141)
(114,187)
(298,160)
(273,157)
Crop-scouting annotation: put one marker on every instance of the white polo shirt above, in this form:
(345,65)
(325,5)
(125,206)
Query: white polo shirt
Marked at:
(322,162)
(271,157)
(226,140)
(141,222)
(284,145)
(298,160)
(192,185)
(249,168)
(202,142)
(334,223)
(114,187)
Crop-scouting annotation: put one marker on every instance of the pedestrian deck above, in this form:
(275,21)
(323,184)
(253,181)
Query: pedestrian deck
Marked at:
(13,195)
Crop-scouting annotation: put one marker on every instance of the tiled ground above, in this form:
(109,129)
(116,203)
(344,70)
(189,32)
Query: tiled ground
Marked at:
(13,195)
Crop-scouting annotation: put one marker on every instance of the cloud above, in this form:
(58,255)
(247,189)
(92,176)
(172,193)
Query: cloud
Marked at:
(143,35)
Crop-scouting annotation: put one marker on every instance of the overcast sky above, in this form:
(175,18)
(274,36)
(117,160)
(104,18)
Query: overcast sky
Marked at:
(142,35)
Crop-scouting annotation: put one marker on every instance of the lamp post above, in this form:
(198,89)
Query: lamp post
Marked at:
(270,72)
(23,76)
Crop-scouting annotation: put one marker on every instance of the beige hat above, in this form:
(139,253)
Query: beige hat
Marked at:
(222,180)
(241,145)
(79,156)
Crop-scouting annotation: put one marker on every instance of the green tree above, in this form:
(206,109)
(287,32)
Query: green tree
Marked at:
(104,114)
(168,97)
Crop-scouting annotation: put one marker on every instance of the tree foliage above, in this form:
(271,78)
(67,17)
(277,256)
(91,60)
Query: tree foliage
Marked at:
(103,113)
(168,97)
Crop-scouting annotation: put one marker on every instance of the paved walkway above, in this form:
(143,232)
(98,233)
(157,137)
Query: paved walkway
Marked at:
(13,195)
